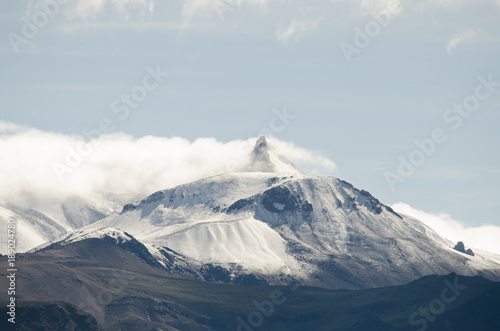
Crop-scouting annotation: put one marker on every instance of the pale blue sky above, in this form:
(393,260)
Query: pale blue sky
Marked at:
(227,75)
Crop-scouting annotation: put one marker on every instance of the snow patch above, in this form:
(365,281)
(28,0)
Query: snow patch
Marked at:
(118,235)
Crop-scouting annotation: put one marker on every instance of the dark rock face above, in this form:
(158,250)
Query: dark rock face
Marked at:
(128,207)
(370,202)
(240,204)
(280,199)
(135,247)
(250,279)
(215,273)
(461,248)
(38,315)
(157,196)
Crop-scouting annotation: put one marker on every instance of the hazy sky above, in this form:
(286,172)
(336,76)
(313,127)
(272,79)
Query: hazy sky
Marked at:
(326,75)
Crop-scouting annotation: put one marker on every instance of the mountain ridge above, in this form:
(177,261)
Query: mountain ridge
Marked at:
(321,231)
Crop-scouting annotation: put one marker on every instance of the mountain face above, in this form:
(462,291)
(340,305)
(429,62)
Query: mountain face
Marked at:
(50,221)
(33,228)
(279,225)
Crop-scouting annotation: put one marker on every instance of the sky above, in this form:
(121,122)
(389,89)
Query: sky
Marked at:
(400,98)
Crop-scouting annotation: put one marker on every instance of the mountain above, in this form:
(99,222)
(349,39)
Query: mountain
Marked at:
(106,274)
(266,248)
(84,242)
(33,228)
(50,221)
(278,224)
(264,159)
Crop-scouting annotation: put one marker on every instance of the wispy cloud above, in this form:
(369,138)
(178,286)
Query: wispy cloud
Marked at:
(463,37)
(295,30)
(483,237)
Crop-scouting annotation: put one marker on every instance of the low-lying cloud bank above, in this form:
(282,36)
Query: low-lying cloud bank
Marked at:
(484,237)
(44,167)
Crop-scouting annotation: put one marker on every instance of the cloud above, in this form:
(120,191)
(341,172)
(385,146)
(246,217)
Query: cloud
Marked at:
(88,8)
(463,37)
(295,30)
(483,237)
(91,7)
(394,6)
(367,6)
(218,8)
(313,161)
(118,163)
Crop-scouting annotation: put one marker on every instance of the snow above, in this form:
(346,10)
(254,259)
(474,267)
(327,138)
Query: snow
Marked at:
(250,243)
(265,159)
(342,222)
(118,235)
(32,228)
(27,235)
(184,220)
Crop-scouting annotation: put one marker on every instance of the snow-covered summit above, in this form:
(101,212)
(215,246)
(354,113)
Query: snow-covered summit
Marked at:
(265,159)
(117,235)
(105,232)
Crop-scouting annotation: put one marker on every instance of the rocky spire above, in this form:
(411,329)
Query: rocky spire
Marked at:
(265,159)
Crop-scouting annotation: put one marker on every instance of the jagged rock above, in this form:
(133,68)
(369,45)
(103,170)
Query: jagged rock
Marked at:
(460,247)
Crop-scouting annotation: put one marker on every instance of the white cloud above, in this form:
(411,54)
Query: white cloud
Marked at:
(88,8)
(314,161)
(367,6)
(8,127)
(295,30)
(463,37)
(483,237)
(214,8)
(119,163)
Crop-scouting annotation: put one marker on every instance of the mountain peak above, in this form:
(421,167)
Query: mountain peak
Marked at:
(265,159)
(260,145)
